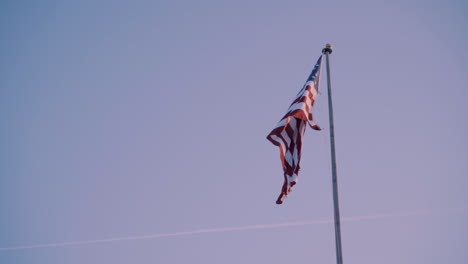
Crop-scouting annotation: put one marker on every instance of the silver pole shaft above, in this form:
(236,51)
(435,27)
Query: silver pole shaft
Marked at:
(339,255)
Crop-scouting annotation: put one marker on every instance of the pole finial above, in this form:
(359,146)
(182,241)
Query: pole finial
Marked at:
(327,49)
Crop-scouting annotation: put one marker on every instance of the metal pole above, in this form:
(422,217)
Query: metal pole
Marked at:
(339,256)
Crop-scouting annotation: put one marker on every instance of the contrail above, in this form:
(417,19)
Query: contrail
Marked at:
(240,228)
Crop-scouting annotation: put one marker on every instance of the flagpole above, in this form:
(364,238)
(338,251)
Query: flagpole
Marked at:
(339,256)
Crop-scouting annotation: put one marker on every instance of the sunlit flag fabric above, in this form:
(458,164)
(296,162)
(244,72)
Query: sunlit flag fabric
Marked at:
(288,133)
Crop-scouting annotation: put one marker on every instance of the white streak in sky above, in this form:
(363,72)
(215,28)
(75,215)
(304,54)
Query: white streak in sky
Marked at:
(241,228)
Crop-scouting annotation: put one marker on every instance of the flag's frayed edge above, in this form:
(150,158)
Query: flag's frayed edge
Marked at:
(241,228)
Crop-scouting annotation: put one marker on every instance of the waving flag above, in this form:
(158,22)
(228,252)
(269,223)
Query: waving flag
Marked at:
(287,134)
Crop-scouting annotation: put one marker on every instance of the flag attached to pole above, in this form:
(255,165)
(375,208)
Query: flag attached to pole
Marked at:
(288,133)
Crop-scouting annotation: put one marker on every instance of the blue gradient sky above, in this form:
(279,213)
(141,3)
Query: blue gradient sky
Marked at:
(132,118)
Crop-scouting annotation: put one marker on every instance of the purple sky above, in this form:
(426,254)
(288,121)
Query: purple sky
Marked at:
(141,125)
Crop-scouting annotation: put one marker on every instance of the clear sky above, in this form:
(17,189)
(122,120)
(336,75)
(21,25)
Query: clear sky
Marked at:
(143,118)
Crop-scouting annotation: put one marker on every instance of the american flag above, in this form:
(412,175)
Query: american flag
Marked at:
(287,134)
